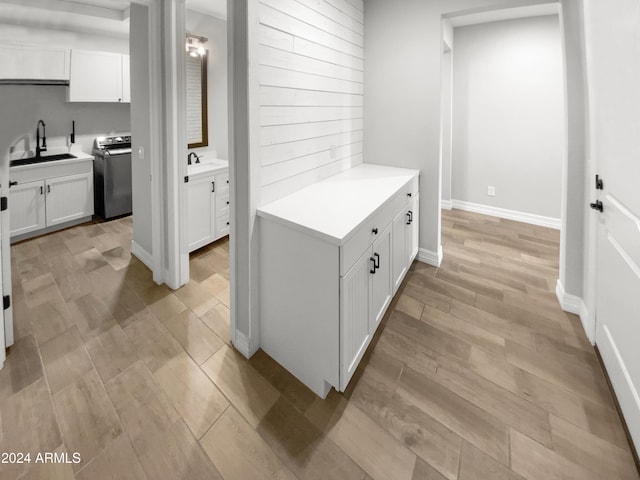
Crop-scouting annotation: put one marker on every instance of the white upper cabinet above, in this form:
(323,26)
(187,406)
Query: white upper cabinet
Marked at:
(126,79)
(98,77)
(21,62)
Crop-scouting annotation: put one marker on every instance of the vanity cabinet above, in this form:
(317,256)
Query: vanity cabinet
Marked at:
(208,208)
(330,263)
(50,196)
(99,77)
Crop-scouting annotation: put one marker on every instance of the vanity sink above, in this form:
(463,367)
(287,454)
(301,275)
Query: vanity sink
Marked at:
(49,158)
(207,166)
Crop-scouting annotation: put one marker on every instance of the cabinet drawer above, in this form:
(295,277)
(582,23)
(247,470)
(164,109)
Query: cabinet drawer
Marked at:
(222,182)
(364,236)
(222,225)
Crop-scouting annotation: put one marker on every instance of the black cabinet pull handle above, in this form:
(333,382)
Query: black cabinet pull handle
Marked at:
(408,218)
(41,190)
(409,194)
(374,231)
(373,270)
(227,223)
(227,203)
(12,184)
(48,188)
(227,182)
(597,206)
(377,261)
(213,187)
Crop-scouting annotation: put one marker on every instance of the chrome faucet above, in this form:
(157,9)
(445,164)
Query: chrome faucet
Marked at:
(43,148)
(189,158)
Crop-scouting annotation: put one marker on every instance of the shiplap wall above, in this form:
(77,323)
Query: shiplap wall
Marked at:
(311,91)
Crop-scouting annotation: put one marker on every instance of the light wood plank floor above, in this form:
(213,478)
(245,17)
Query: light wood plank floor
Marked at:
(476,373)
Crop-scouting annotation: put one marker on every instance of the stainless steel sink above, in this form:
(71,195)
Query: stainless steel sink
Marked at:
(49,158)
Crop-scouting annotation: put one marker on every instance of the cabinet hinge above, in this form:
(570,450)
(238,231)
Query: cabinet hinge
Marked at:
(6,302)
(4,203)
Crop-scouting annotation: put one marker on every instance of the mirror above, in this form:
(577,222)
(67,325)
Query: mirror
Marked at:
(197,124)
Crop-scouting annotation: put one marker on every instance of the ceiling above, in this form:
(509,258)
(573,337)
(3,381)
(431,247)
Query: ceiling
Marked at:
(504,14)
(108,17)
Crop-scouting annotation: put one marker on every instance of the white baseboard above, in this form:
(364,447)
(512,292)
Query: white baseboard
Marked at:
(574,304)
(531,218)
(446,204)
(142,255)
(430,258)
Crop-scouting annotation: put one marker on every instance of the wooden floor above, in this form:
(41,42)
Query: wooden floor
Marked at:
(476,372)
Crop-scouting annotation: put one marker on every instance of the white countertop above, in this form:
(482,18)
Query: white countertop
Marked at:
(333,208)
(79,154)
(207,167)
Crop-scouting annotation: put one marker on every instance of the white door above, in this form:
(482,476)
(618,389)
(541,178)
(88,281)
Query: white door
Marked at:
(201,212)
(69,198)
(5,317)
(380,282)
(614,69)
(354,316)
(95,77)
(26,207)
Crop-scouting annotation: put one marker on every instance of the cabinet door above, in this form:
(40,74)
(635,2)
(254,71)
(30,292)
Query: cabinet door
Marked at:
(27,207)
(34,63)
(201,216)
(399,246)
(413,230)
(354,317)
(69,198)
(95,77)
(381,286)
(126,79)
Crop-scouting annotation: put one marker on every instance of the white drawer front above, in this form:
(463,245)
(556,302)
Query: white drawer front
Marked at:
(222,226)
(222,203)
(364,236)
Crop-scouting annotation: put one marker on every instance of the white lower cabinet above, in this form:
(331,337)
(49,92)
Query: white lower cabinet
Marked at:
(365,294)
(208,209)
(328,278)
(405,240)
(42,200)
(69,198)
(201,219)
(27,207)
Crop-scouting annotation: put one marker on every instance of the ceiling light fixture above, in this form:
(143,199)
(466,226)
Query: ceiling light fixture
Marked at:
(195,45)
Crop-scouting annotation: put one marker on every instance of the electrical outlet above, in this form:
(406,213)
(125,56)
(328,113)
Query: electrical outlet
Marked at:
(332,152)
(491,191)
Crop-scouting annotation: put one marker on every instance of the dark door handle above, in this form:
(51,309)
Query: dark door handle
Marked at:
(409,194)
(41,190)
(409,219)
(597,206)
(213,187)
(377,260)
(12,184)
(374,231)
(48,188)
(373,270)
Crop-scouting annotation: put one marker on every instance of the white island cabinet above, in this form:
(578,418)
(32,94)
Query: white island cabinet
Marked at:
(331,258)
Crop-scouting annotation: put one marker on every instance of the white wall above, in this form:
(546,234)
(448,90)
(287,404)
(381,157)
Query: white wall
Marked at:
(140,130)
(508,118)
(403,49)
(215,30)
(310,93)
